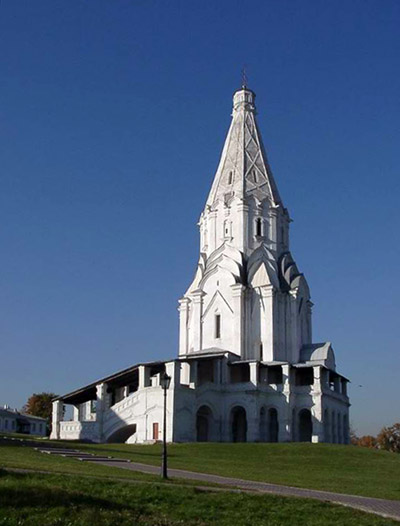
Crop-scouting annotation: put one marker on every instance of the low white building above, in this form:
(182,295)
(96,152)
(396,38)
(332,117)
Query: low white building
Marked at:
(247,369)
(13,421)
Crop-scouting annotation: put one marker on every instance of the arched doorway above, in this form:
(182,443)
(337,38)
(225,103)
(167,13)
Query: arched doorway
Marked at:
(122,434)
(263,425)
(203,424)
(273,425)
(305,425)
(239,424)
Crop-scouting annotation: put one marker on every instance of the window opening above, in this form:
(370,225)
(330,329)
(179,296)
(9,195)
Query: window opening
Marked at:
(230,178)
(255,177)
(218,326)
(258,227)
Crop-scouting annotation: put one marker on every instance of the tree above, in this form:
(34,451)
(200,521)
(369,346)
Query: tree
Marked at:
(389,438)
(367,441)
(40,404)
(353,436)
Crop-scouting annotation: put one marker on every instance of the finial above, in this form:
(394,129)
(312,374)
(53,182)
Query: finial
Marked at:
(244,77)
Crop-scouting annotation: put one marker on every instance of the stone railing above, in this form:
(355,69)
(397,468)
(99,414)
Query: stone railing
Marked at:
(72,430)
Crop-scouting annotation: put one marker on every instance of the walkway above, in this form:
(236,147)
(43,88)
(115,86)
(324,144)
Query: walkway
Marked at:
(385,508)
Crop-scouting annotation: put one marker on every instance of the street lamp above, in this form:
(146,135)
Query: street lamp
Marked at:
(165,380)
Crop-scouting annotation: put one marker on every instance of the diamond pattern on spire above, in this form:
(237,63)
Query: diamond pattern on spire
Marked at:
(243,169)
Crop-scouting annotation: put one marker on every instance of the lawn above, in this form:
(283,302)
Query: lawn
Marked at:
(20,457)
(344,469)
(54,500)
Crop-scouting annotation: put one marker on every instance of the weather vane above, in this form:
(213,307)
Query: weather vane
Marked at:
(244,77)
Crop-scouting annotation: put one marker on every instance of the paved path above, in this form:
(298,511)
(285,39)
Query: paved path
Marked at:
(385,508)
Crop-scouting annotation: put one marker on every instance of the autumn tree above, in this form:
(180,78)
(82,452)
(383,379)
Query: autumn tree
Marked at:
(40,404)
(389,438)
(367,441)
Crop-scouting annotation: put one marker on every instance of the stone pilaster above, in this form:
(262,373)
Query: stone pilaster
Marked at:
(273,228)
(101,395)
(193,373)
(238,291)
(197,298)
(217,371)
(183,325)
(285,415)
(173,370)
(293,347)
(75,413)
(241,226)
(317,410)
(57,416)
(268,323)
(254,373)
(144,376)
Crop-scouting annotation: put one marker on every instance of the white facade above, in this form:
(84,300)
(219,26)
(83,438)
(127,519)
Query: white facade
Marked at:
(247,368)
(12,421)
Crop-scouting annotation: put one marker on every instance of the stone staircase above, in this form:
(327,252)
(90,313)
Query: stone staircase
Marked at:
(78,455)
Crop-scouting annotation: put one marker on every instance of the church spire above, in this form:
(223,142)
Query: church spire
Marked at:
(243,169)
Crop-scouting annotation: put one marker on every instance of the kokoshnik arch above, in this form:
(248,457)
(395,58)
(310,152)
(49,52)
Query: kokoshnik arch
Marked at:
(247,368)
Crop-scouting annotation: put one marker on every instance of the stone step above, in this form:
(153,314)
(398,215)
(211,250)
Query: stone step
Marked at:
(102,459)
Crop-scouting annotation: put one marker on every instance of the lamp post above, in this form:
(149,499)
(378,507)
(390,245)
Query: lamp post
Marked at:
(164,382)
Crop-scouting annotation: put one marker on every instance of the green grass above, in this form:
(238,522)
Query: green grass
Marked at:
(19,457)
(54,500)
(343,469)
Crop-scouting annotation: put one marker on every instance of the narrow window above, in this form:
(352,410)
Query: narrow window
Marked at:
(261,352)
(218,326)
(258,227)
(230,178)
(255,177)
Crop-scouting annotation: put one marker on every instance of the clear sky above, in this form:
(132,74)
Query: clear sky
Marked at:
(113,114)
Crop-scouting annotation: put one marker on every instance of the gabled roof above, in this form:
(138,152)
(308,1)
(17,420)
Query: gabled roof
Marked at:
(243,169)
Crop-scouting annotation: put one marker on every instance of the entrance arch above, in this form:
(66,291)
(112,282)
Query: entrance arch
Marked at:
(203,424)
(305,425)
(239,424)
(273,425)
(121,435)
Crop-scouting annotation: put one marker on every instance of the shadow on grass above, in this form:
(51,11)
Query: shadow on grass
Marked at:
(16,494)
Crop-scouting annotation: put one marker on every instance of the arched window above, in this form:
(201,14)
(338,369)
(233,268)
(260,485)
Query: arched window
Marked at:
(238,424)
(227,229)
(204,419)
(305,426)
(273,425)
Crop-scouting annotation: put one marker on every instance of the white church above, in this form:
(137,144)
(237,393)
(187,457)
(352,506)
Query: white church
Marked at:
(247,368)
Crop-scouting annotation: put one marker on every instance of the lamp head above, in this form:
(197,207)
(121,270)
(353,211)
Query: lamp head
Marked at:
(165,380)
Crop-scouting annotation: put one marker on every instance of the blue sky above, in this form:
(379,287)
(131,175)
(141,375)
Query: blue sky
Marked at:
(112,119)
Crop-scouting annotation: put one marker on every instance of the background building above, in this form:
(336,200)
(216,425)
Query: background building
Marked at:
(12,421)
